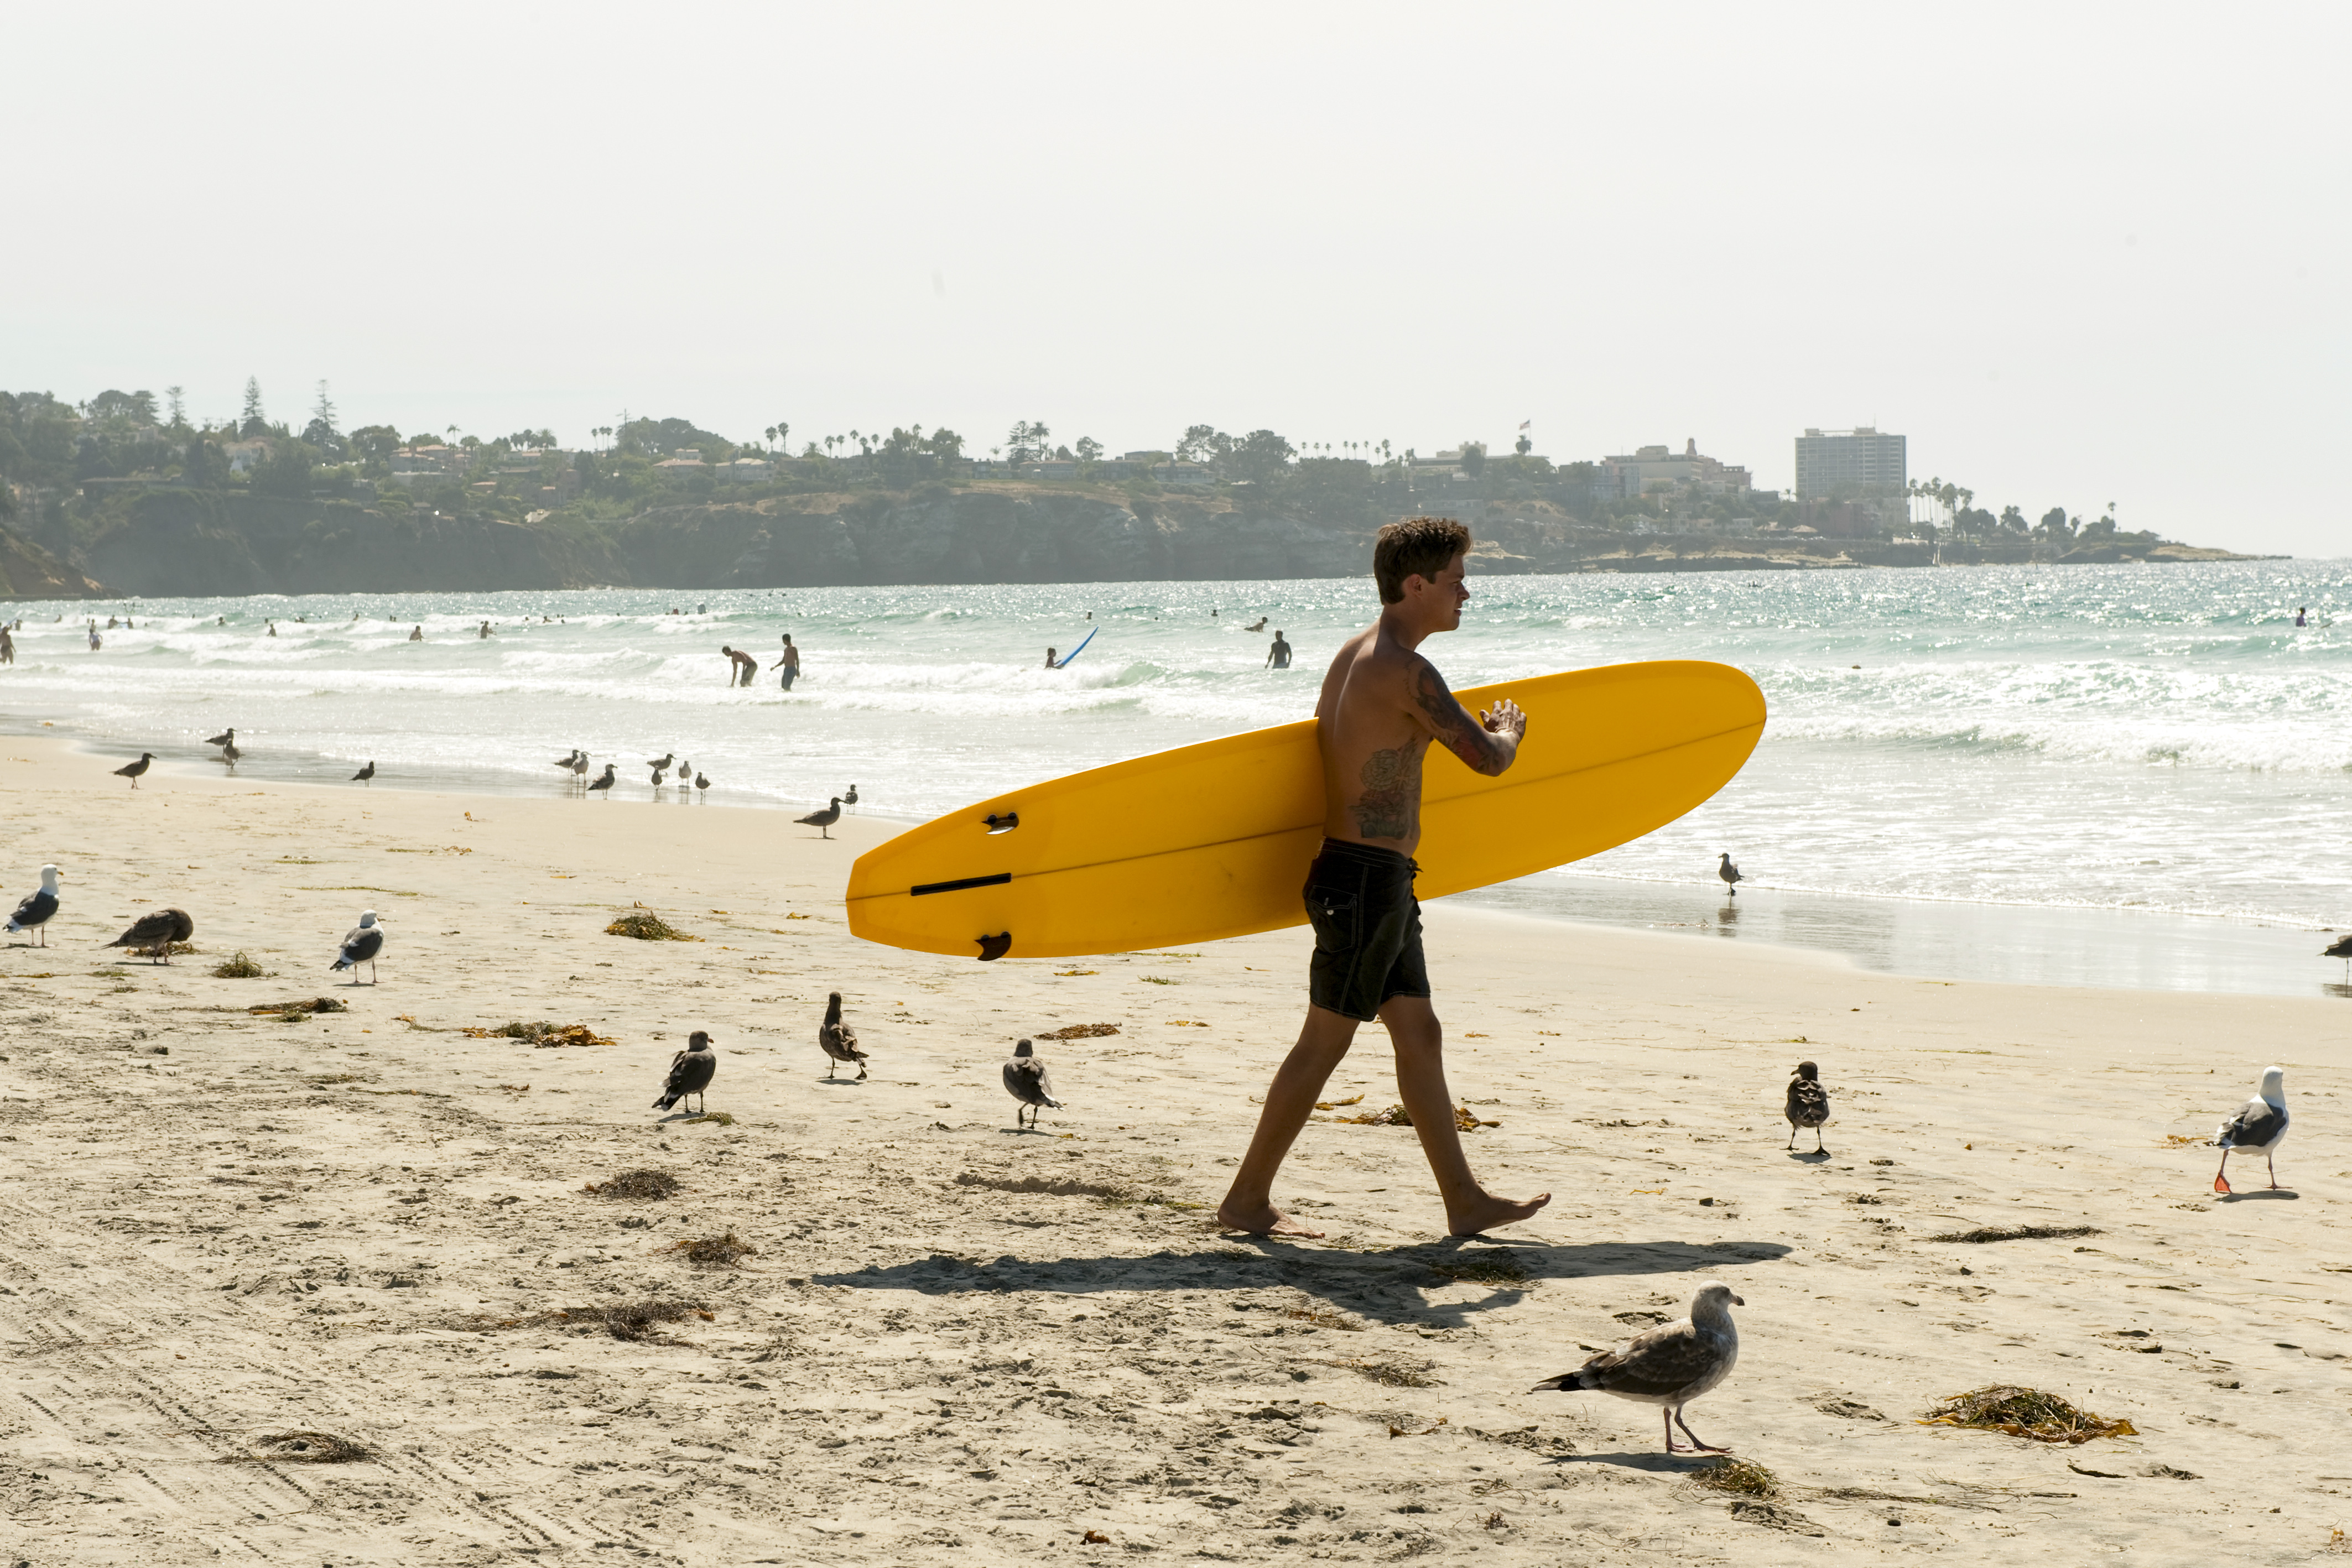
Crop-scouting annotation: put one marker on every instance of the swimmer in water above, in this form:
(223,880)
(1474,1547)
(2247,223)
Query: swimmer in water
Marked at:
(416,634)
(1278,656)
(1051,662)
(2298,618)
(1257,625)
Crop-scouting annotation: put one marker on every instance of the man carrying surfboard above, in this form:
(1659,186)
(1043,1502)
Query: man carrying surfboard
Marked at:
(1381,706)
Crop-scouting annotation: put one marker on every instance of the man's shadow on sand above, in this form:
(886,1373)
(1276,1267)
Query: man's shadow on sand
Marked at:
(1389,1285)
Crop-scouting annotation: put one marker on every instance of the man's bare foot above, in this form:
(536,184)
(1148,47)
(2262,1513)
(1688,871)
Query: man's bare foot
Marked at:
(1264,1220)
(1484,1212)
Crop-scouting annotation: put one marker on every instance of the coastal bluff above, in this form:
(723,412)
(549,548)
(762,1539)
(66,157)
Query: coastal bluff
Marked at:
(177,541)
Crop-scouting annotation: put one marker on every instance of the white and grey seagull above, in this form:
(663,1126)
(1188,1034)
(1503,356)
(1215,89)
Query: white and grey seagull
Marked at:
(1026,1080)
(2260,1125)
(361,944)
(1667,1366)
(38,907)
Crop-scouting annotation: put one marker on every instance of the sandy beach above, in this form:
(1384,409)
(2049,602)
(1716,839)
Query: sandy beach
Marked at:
(957,1342)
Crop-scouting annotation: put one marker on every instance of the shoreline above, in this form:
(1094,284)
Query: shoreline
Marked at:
(1942,939)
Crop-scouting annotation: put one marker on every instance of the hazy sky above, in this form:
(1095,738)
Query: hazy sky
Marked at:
(2076,254)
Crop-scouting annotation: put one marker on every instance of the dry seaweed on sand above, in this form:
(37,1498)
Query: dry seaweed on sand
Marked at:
(301,1448)
(1397,1116)
(635,1186)
(543,1035)
(302,1007)
(715,1251)
(238,968)
(1488,1270)
(632,1320)
(1064,1186)
(1391,1373)
(1741,1477)
(1078,1031)
(716,1118)
(2025,1413)
(647,927)
(2018,1233)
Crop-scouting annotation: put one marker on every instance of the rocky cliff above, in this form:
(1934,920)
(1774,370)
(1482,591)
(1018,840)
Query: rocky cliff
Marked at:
(172,541)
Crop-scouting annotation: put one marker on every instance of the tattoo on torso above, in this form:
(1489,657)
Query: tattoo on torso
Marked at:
(1389,807)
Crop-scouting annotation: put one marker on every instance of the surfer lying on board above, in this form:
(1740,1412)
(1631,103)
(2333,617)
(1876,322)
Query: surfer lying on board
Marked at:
(1381,706)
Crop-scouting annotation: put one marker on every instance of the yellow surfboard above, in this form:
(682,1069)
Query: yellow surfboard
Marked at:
(1214,840)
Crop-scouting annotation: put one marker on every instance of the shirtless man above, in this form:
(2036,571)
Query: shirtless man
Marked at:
(790,663)
(742,667)
(1278,656)
(1381,706)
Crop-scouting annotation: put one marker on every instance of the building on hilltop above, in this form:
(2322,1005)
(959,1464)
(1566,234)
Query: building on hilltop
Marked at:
(1626,478)
(1861,463)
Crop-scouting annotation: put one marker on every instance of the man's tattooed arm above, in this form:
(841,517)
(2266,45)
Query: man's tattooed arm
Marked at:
(1456,728)
(1389,807)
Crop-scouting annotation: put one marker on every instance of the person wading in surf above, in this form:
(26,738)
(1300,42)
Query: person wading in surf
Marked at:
(1381,706)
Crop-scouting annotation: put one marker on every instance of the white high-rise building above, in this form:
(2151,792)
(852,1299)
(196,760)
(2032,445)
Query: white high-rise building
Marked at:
(1851,464)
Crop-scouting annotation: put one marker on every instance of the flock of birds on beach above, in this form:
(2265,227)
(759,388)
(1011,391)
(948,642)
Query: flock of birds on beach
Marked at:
(1666,1367)
(154,934)
(576,765)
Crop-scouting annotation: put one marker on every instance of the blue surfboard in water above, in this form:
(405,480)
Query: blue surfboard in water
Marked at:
(1076,651)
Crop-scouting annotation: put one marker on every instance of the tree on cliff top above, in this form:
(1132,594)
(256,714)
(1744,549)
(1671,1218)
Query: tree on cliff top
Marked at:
(1203,443)
(251,423)
(1259,456)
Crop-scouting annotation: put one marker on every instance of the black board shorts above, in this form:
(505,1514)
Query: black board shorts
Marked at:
(1367,929)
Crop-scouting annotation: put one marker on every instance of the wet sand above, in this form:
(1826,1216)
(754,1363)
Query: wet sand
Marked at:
(957,1339)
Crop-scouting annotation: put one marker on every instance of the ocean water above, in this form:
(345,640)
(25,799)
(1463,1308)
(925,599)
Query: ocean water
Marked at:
(2115,742)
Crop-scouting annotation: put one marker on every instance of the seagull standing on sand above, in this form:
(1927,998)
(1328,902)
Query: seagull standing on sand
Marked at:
(1809,1104)
(580,769)
(700,784)
(1668,1367)
(153,933)
(850,799)
(34,911)
(231,755)
(2340,949)
(1026,1080)
(365,774)
(690,1073)
(362,943)
(132,770)
(2260,1125)
(658,776)
(839,1040)
(571,766)
(1731,875)
(824,819)
(604,783)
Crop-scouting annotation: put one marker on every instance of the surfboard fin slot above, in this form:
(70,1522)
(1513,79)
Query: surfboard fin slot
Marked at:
(961,884)
(1003,824)
(995,948)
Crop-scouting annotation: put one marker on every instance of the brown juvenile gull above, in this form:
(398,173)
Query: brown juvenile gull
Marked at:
(153,933)
(132,770)
(603,782)
(1809,1104)
(361,944)
(2260,1125)
(226,737)
(822,820)
(839,1040)
(690,1073)
(1668,1367)
(1731,875)
(2340,949)
(231,755)
(1026,1080)
(364,775)
(700,784)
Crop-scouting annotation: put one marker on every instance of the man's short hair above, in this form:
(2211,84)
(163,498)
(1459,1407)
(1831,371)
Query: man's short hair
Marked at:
(1416,547)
